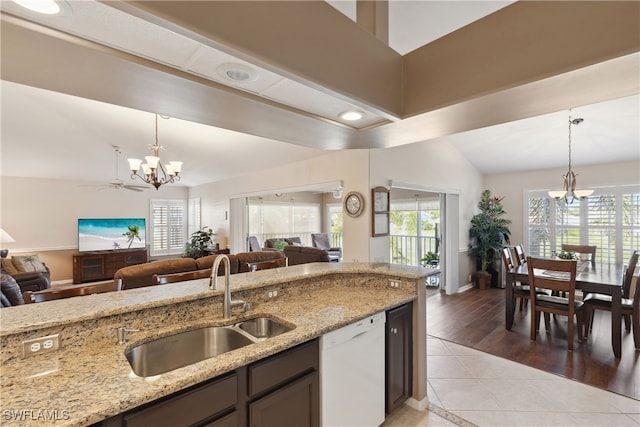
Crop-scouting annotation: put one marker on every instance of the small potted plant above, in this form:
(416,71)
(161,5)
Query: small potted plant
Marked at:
(430,259)
(280,245)
(199,242)
(488,234)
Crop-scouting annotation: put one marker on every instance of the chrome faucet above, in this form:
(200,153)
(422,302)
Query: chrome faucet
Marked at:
(228,303)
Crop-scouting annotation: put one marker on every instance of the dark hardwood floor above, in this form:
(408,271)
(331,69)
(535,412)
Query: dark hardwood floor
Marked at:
(476,319)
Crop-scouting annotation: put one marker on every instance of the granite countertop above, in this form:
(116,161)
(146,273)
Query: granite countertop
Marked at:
(84,383)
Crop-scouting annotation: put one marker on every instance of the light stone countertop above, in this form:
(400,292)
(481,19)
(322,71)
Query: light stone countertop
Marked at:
(89,379)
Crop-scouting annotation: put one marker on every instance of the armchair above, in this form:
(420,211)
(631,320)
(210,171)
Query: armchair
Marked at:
(10,293)
(321,241)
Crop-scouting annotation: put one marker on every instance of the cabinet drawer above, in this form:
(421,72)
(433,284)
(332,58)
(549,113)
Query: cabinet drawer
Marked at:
(188,408)
(296,404)
(283,367)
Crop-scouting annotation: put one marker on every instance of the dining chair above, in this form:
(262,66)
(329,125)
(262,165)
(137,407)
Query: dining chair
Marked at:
(163,279)
(519,291)
(75,291)
(596,301)
(560,276)
(254,244)
(582,250)
(521,257)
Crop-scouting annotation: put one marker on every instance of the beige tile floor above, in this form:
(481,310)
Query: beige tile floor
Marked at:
(467,387)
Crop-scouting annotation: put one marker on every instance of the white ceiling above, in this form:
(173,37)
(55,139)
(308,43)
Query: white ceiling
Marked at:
(41,130)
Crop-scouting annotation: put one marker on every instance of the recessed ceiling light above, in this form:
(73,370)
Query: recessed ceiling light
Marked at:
(237,72)
(47,7)
(351,115)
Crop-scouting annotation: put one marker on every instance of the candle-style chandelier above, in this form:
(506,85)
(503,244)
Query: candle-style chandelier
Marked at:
(153,171)
(570,182)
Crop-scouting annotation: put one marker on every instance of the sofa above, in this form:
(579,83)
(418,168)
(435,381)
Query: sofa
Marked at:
(36,280)
(305,254)
(270,243)
(141,275)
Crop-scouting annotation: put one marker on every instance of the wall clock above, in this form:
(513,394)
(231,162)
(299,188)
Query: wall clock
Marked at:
(354,204)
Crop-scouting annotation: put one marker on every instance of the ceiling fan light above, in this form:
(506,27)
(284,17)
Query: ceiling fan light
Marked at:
(134,164)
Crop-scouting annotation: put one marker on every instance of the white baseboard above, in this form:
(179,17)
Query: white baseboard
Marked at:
(419,405)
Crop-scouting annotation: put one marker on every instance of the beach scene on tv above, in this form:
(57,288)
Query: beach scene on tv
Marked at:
(111,234)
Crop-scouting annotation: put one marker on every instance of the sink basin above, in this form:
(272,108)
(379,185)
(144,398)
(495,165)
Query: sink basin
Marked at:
(264,327)
(175,351)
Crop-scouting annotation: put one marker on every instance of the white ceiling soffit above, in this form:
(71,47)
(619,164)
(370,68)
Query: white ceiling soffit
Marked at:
(111,27)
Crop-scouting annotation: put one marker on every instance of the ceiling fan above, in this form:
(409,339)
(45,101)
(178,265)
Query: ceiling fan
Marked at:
(117,183)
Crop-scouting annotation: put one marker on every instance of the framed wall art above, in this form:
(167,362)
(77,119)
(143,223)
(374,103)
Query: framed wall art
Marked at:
(380,211)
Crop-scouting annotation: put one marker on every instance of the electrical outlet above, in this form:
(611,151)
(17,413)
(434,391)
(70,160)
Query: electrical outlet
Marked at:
(273,293)
(40,345)
(394,283)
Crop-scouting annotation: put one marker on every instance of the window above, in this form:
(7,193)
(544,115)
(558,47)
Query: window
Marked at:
(168,226)
(414,229)
(268,219)
(194,216)
(609,219)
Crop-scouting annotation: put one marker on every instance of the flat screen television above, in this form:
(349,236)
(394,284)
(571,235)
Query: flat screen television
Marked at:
(101,234)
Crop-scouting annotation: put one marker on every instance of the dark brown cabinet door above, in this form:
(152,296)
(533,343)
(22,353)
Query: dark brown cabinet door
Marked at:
(102,265)
(399,356)
(295,405)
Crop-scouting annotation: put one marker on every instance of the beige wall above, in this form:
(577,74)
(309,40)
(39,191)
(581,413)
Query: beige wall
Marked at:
(42,215)
(352,167)
(512,186)
(436,164)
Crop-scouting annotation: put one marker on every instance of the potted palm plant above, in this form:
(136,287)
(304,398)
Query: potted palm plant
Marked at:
(488,234)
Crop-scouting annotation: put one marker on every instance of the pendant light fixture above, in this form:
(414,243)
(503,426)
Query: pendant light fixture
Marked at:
(570,182)
(153,171)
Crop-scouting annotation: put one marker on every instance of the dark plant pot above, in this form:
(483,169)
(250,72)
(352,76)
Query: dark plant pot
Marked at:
(483,280)
(495,275)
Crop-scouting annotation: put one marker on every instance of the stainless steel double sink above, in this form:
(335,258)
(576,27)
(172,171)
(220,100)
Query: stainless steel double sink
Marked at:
(185,348)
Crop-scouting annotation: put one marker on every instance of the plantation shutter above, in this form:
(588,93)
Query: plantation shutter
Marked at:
(168,226)
(608,219)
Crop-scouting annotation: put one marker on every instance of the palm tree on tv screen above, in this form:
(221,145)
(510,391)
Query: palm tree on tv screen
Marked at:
(132,234)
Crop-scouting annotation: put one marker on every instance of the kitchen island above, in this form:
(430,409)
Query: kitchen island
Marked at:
(89,379)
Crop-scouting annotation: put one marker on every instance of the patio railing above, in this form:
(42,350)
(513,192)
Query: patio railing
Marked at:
(409,250)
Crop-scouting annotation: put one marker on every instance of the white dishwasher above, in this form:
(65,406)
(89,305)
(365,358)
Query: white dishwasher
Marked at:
(352,374)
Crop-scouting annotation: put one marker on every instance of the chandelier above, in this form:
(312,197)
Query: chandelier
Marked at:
(153,171)
(570,183)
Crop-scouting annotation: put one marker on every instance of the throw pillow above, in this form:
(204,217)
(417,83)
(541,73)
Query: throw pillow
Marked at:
(28,263)
(8,267)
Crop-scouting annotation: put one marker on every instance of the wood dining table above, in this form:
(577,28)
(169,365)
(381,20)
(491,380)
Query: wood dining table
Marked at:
(601,278)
